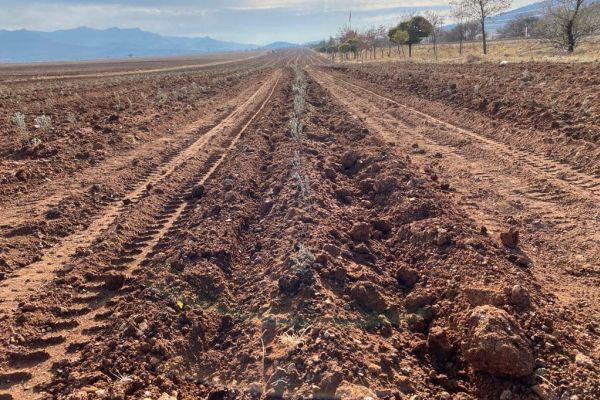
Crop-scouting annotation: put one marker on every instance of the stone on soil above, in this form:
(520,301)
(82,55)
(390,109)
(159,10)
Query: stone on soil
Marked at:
(510,238)
(495,343)
(352,391)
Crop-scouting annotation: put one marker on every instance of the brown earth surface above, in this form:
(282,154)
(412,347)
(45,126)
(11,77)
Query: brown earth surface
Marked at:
(280,228)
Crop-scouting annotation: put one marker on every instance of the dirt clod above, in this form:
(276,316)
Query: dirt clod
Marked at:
(519,296)
(198,191)
(330,383)
(510,238)
(53,213)
(349,159)
(368,296)
(361,232)
(495,343)
(114,281)
(353,391)
(407,276)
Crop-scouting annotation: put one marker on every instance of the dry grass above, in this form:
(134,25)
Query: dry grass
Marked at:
(509,50)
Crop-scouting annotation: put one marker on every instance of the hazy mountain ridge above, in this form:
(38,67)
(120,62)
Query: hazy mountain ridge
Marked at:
(497,22)
(87,43)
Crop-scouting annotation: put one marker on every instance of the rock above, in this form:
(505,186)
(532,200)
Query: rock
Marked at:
(444,238)
(439,344)
(368,296)
(544,392)
(407,276)
(330,383)
(114,281)
(494,343)
(53,213)
(519,297)
(520,259)
(349,159)
(510,239)
(2,276)
(198,191)
(584,361)
(506,395)
(361,232)
(352,391)
(277,383)
(266,206)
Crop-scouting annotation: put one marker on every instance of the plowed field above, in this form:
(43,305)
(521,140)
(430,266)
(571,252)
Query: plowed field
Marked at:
(269,226)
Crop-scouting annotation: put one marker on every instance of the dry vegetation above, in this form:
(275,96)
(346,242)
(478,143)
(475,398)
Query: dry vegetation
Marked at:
(518,50)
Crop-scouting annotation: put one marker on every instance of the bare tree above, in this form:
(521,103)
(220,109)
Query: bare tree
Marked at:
(437,22)
(567,22)
(458,12)
(369,38)
(524,26)
(481,10)
(382,39)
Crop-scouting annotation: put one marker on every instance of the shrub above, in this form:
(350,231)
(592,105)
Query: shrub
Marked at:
(43,122)
(18,120)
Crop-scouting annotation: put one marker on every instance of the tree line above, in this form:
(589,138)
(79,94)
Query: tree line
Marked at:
(564,23)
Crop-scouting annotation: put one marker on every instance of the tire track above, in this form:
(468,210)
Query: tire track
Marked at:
(494,192)
(35,275)
(52,353)
(578,182)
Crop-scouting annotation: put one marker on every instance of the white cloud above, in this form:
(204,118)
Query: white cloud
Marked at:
(250,21)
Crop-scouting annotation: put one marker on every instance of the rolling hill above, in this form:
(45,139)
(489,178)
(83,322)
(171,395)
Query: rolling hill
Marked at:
(87,43)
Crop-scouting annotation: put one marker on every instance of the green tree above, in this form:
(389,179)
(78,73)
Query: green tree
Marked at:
(399,37)
(344,49)
(417,29)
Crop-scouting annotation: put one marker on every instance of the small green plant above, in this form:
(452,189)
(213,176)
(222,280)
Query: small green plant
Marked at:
(161,97)
(18,119)
(43,122)
(71,117)
(292,338)
(304,259)
(296,128)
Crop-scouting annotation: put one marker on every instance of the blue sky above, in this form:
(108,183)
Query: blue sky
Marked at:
(247,21)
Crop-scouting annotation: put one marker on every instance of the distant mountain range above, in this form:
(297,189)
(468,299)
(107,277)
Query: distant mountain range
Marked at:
(493,24)
(88,44)
(501,20)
